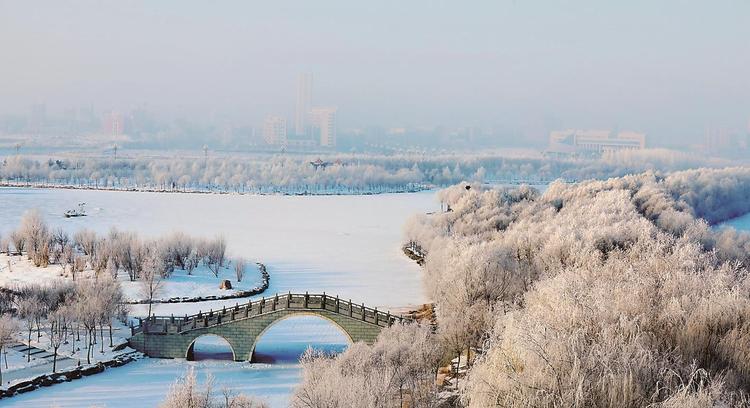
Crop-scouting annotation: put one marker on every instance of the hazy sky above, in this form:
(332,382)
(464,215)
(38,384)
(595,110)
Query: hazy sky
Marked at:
(665,67)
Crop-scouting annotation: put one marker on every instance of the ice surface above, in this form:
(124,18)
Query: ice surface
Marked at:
(345,245)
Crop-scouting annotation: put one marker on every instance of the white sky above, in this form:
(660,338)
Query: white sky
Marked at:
(666,67)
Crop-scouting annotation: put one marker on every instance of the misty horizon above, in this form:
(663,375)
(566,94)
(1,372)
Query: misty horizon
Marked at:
(669,70)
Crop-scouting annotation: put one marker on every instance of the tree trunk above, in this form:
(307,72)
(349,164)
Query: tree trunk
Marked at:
(28,352)
(110,334)
(88,349)
(54,362)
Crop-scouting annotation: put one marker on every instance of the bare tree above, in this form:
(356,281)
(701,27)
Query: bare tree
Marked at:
(178,247)
(57,330)
(216,252)
(397,371)
(58,242)
(239,268)
(19,241)
(37,236)
(5,245)
(8,326)
(86,311)
(186,393)
(85,241)
(28,311)
(151,282)
(133,257)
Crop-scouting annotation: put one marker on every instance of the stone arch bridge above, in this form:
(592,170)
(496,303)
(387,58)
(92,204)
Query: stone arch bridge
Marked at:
(242,325)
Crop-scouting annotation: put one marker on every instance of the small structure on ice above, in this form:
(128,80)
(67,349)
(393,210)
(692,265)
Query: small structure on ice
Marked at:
(79,212)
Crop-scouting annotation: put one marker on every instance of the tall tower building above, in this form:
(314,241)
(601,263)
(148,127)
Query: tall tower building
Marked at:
(274,130)
(323,121)
(114,124)
(304,101)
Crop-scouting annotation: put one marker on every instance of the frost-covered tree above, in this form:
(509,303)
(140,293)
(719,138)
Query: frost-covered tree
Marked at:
(398,370)
(8,326)
(187,393)
(18,239)
(345,173)
(615,290)
(151,281)
(37,237)
(57,331)
(85,240)
(239,268)
(216,254)
(28,312)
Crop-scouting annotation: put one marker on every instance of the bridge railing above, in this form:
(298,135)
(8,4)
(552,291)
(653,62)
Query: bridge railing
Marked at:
(289,301)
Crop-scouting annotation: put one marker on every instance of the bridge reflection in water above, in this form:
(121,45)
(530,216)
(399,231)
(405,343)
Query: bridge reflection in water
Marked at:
(243,325)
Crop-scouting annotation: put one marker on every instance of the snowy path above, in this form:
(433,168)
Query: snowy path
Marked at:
(42,361)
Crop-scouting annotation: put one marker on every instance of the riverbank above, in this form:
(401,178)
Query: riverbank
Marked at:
(299,192)
(67,375)
(265,278)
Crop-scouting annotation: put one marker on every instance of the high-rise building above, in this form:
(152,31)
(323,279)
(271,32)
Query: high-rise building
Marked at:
(323,124)
(274,130)
(114,124)
(304,102)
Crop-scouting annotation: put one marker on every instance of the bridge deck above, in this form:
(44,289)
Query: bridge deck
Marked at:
(289,301)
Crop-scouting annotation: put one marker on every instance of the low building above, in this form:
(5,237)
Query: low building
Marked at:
(274,130)
(323,123)
(592,142)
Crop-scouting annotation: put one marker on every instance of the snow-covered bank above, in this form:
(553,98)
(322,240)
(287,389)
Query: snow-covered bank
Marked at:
(181,286)
(345,245)
(320,191)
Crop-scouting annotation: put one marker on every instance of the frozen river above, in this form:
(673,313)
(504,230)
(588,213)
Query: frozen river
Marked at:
(345,245)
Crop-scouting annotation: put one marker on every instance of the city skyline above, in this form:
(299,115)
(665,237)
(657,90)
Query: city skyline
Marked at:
(637,65)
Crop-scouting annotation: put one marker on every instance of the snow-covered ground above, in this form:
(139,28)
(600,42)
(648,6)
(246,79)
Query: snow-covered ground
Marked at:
(18,270)
(345,245)
(71,353)
(200,283)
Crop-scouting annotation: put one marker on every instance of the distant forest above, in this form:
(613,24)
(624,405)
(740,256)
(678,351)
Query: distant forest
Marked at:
(335,174)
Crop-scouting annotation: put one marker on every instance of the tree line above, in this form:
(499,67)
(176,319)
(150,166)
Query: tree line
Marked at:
(64,312)
(599,293)
(353,174)
(117,254)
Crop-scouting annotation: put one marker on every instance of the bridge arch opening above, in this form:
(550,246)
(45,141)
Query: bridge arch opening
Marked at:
(285,340)
(210,347)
